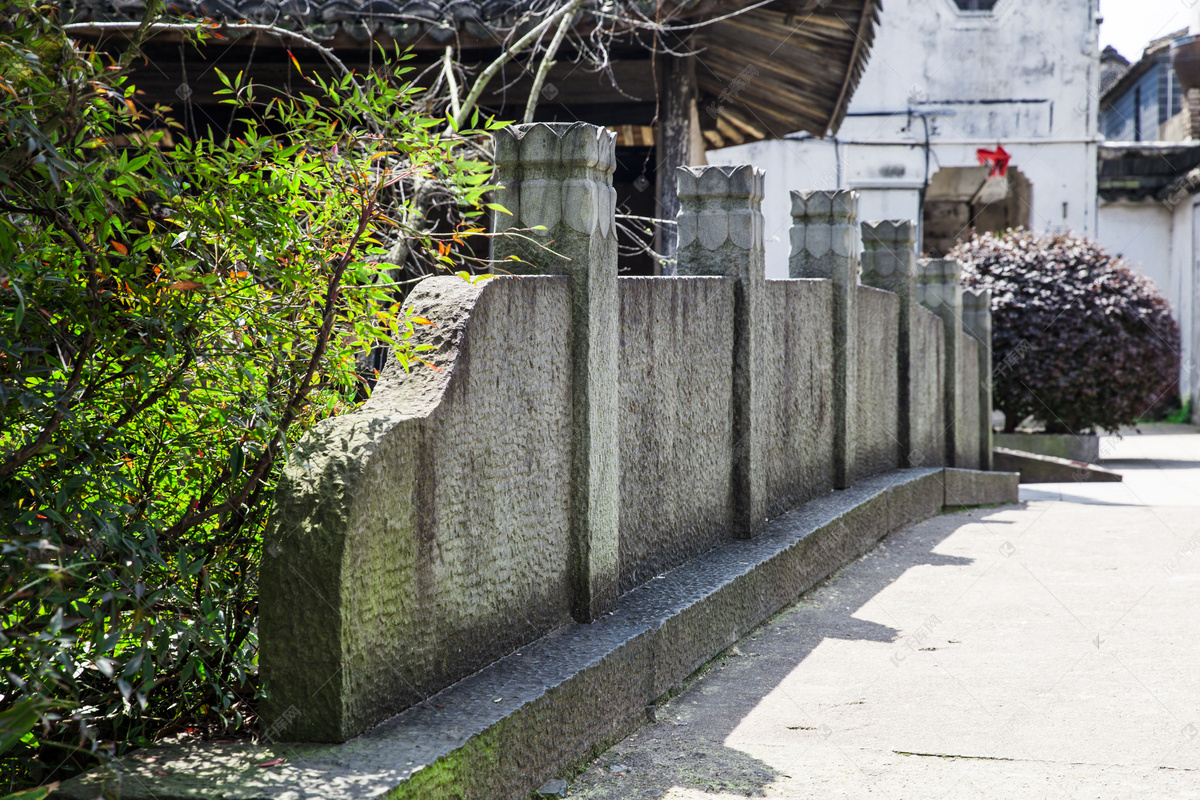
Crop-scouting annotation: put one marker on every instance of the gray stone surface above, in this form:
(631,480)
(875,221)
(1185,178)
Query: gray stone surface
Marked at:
(913,501)
(554,788)
(1036,468)
(928,414)
(824,240)
(877,405)
(889,262)
(798,420)
(557,177)
(977,322)
(967,431)
(1039,651)
(968,487)
(823,234)
(720,226)
(372,595)
(676,421)
(1082,447)
(467,511)
(505,730)
(939,290)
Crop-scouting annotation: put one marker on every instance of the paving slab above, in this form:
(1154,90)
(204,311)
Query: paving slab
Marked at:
(1159,464)
(1040,650)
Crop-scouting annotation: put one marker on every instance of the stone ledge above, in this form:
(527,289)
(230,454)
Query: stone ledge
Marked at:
(1036,468)
(505,730)
(969,487)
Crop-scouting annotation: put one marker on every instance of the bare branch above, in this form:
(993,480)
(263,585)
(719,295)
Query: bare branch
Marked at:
(516,47)
(451,82)
(547,63)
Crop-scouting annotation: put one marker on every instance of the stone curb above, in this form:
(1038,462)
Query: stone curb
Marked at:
(505,730)
(967,487)
(1035,468)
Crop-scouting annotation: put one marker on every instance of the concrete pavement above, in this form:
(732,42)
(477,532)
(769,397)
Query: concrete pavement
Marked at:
(1159,465)
(1046,650)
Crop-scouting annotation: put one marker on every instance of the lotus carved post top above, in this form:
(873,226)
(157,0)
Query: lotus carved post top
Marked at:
(888,248)
(719,205)
(556,173)
(938,271)
(823,232)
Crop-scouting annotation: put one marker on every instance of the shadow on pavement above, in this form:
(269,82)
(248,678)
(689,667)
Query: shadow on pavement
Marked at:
(686,750)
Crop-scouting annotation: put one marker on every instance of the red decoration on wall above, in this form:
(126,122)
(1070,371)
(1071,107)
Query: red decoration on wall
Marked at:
(996,159)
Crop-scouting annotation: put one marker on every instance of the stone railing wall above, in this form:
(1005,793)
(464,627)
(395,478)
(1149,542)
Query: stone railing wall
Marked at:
(584,433)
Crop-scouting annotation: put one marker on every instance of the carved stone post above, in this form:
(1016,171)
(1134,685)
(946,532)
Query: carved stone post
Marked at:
(559,175)
(977,322)
(939,290)
(823,246)
(889,262)
(721,233)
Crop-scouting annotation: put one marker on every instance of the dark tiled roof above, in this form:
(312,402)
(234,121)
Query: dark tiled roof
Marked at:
(790,65)
(402,20)
(1142,170)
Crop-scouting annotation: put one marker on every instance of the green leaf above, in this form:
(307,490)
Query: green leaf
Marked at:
(36,793)
(20,719)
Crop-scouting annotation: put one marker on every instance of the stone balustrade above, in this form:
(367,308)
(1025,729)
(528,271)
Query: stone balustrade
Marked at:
(584,433)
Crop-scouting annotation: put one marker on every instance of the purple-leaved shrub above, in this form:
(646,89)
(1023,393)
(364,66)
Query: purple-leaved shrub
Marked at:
(1079,340)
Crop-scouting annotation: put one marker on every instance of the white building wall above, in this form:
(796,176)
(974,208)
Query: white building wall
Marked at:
(1157,240)
(1142,234)
(1191,365)
(939,85)
(1179,287)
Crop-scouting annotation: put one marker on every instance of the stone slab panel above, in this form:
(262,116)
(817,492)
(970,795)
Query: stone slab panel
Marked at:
(967,431)
(427,534)
(1084,447)
(967,487)
(798,380)
(928,419)
(914,500)
(676,387)
(877,400)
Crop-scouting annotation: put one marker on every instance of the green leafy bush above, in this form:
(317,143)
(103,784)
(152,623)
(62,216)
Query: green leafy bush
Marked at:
(174,313)
(1079,341)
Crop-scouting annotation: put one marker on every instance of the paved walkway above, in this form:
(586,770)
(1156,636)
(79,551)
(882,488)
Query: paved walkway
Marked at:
(1047,650)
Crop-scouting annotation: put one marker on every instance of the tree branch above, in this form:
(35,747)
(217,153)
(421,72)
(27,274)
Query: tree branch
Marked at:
(451,82)
(19,458)
(547,63)
(292,409)
(516,47)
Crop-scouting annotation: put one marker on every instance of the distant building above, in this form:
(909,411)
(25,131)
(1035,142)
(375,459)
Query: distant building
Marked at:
(1149,176)
(1146,98)
(1113,66)
(947,79)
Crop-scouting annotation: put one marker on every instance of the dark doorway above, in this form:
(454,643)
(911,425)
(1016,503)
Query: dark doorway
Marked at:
(961,199)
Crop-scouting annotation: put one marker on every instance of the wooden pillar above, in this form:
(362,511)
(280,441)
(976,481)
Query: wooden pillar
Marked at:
(672,143)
